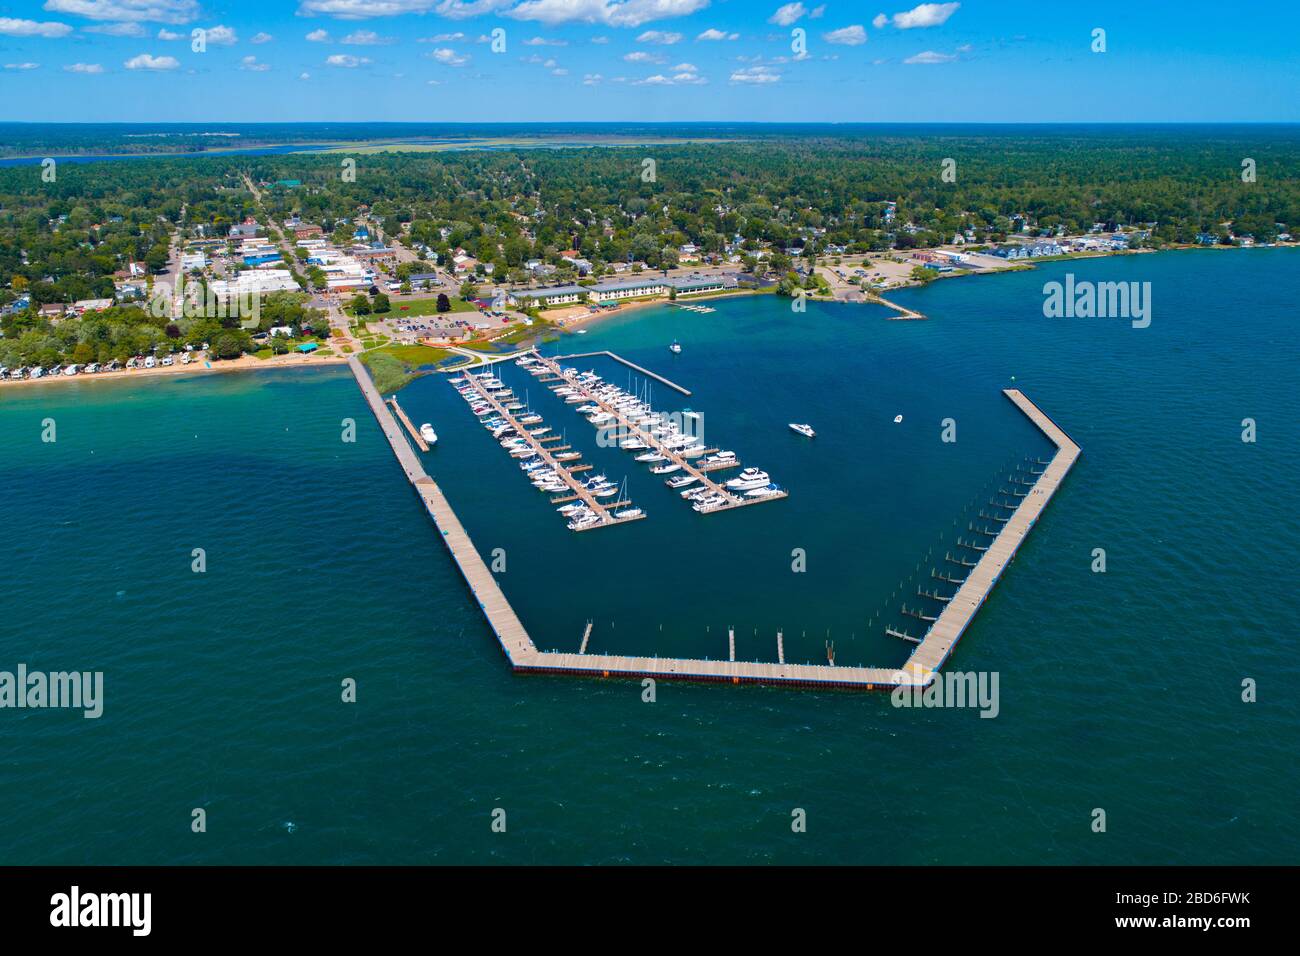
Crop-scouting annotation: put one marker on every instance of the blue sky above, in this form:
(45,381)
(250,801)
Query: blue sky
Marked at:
(646,60)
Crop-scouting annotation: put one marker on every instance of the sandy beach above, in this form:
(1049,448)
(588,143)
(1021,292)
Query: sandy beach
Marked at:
(242,364)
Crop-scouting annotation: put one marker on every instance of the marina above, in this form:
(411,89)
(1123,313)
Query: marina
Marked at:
(554,475)
(930,650)
(667,449)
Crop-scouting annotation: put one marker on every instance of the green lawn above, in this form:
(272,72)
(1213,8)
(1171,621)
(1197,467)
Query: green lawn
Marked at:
(415,307)
(414,355)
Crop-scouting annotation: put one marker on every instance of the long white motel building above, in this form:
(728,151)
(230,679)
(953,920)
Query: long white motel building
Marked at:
(616,291)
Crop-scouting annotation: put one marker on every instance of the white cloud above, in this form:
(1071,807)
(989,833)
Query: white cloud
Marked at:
(788,14)
(930,56)
(755,74)
(600,40)
(880,21)
(83,68)
(689,77)
(659,37)
(146,61)
(319,36)
(448,56)
(543,41)
(250,63)
(925,15)
(591,79)
(447,38)
(855,35)
(641,56)
(304,76)
(686,68)
(165,34)
(160,11)
(117,30)
(30,28)
(712,34)
(367,38)
(817,12)
(559,71)
(612,13)
(346,60)
(222,36)
(261,38)
(22,66)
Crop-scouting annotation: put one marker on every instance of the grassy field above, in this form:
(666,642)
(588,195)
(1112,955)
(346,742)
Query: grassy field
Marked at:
(409,307)
(414,355)
(393,367)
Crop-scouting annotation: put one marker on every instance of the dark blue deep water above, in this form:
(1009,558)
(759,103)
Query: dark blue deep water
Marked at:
(1119,691)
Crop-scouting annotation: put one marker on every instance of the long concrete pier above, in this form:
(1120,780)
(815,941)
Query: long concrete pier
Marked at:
(960,610)
(932,651)
(501,617)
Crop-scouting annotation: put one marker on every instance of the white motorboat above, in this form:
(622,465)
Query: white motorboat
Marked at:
(898,419)
(722,457)
(428,434)
(675,348)
(680,481)
(749,478)
(803,429)
(628,513)
(669,467)
(766,492)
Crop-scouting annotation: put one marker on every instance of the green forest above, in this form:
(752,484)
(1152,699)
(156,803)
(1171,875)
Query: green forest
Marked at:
(65,240)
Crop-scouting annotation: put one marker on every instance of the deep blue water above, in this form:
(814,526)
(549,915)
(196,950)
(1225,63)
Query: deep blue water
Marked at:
(1119,690)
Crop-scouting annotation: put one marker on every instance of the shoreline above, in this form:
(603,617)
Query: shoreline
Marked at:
(583,319)
(245,363)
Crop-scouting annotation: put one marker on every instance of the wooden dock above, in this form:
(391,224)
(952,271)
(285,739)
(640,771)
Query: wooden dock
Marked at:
(415,435)
(537,443)
(920,669)
(618,358)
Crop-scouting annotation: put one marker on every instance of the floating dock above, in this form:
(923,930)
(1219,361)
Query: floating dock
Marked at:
(415,435)
(565,472)
(929,655)
(626,427)
(618,358)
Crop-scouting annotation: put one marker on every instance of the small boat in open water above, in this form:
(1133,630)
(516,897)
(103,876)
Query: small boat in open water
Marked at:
(803,429)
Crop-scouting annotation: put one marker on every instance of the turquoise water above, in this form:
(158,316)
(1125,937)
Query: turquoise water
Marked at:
(1118,690)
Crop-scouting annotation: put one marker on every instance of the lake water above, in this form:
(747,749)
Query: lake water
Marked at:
(1119,691)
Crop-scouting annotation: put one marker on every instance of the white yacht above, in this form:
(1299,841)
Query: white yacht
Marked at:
(803,429)
(898,419)
(627,513)
(766,492)
(749,478)
(669,467)
(722,457)
(675,348)
(428,434)
(680,481)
